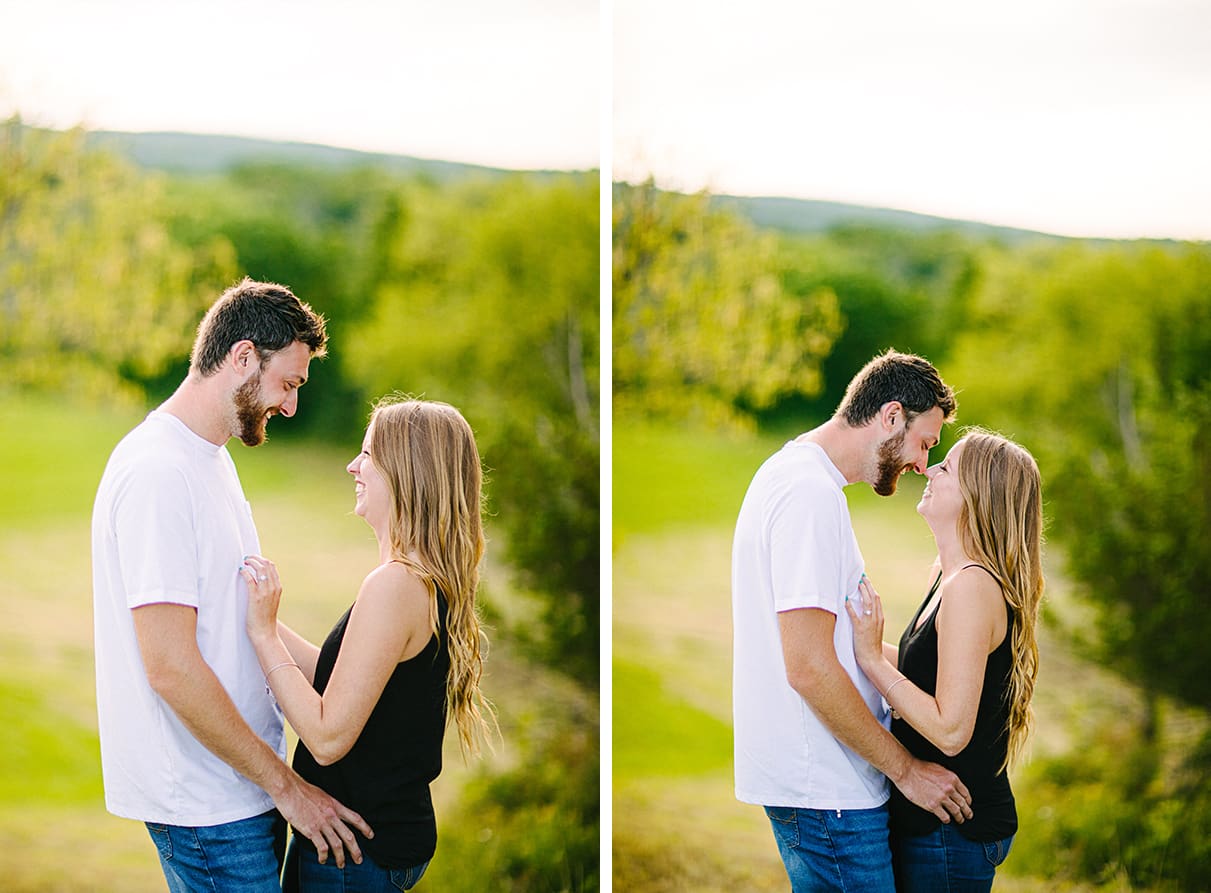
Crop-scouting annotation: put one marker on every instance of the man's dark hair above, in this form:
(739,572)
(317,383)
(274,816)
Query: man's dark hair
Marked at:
(902,377)
(268,315)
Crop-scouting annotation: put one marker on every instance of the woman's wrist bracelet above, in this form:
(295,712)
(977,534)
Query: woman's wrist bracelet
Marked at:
(887,694)
(290,663)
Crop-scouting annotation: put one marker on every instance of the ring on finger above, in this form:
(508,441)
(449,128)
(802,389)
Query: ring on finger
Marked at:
(263,578)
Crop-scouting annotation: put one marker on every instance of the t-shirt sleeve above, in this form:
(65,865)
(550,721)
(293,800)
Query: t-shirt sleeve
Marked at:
(156,539)
(806,529)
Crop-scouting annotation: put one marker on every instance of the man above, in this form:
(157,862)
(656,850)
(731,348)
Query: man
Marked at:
(811,738)
(192,741)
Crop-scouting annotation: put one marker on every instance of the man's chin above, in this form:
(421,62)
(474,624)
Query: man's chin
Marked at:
(882,488)
(254,437)
(887,486)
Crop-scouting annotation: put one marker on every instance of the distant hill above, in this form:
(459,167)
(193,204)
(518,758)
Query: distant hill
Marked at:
(808,216)
(195,153)
(799,215)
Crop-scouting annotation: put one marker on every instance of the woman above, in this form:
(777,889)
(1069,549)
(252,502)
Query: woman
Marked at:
(370,705)
(959,684)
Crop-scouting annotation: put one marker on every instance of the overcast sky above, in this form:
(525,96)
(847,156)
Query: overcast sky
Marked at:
(1079,117)
(508,83)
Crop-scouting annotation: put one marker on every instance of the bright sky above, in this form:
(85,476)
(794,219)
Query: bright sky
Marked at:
(1077,117)
(507,83)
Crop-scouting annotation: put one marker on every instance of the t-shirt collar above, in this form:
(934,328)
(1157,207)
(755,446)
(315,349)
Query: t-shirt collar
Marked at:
(185,432)
(823,458)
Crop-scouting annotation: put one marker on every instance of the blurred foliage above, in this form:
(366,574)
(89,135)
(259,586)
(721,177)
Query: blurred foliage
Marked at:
(489,291)
(94,292)
(1106,814)
(902,289)
(535,828)
(1102,370)
(312,230)
(1095,357)
(703,326)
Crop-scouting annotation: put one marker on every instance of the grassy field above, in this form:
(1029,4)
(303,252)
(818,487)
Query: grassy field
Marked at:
(676,823)
(54,831)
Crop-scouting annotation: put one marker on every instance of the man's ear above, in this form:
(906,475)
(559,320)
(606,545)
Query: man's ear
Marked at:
(890,414)
(243,357)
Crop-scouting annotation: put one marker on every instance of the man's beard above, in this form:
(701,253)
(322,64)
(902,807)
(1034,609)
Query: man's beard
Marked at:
(891,465)
(250,412)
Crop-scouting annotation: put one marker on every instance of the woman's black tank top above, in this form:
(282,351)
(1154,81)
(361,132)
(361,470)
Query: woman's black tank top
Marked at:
(979,764)
(385,776)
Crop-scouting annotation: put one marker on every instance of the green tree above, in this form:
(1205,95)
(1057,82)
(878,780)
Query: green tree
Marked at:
(702,324)
(95,294)
(894,288)
(486,297)
(310,229)
(1097,356)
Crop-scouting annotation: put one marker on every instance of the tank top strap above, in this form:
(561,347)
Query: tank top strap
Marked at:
(981,567)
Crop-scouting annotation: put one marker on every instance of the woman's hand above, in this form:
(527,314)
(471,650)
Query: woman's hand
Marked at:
(866,613)
(264,595)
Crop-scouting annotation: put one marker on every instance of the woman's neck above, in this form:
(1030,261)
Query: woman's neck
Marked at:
(384,546)
(951,553)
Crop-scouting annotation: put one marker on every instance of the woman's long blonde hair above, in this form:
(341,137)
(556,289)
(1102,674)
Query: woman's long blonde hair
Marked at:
(427,454)
(1001,527)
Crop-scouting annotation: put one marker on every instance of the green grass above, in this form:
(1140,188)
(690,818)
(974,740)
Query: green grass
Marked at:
(697,742)
(665,476)
(53,453)
(47,736)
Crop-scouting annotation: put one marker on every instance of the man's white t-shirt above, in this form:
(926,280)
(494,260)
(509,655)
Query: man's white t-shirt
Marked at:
(795,548)
(171,525)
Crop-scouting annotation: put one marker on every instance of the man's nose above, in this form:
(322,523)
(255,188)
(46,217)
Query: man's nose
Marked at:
(291,404)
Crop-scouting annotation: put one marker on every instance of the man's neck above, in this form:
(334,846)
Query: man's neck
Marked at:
(196,403)
(846,447)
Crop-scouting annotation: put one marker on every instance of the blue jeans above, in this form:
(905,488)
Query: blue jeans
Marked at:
(834,850)
(244,855)
(304,873)
(945,861)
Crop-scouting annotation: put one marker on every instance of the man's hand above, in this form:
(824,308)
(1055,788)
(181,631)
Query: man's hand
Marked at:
(322,820)
(936,789)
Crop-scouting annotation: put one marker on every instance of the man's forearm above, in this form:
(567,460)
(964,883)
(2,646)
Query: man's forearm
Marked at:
(831,695)
(815,673)
(202,704)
